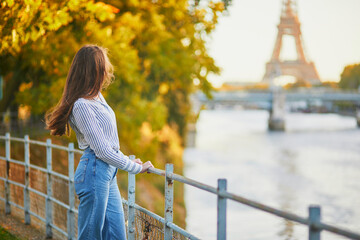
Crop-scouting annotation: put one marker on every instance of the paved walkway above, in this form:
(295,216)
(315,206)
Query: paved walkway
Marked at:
(18,228)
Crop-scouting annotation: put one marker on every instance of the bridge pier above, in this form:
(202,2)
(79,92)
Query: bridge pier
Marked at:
(277,112)
(357,115)
(191,135)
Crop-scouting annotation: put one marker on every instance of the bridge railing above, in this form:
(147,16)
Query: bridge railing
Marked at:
(166,229)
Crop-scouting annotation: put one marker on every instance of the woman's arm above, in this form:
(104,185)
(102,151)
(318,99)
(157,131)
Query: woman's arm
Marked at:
(89,126)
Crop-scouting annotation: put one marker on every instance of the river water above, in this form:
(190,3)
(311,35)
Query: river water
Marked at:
(315,161)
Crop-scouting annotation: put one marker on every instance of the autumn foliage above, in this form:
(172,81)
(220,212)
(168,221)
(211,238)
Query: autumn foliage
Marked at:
(157,49)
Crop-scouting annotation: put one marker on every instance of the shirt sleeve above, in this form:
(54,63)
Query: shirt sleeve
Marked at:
(89,126)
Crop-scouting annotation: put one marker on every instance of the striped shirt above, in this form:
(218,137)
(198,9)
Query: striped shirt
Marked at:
(94,123)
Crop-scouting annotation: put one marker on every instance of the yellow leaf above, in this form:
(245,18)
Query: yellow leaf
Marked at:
(10,3)
(164,88)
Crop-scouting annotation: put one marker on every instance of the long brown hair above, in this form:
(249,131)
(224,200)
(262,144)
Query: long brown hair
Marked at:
(90,71)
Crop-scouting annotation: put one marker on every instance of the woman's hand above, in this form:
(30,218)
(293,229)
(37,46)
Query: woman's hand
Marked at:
(138,161)
(146,166)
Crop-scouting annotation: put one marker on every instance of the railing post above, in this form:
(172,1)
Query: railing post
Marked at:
(7,184)
(314,217)
(221,209)
(26,188)
(131,204)
(48,203)
(169,201)
(71,216)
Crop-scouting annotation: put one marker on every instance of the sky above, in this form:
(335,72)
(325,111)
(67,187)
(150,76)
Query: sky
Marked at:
(244,39)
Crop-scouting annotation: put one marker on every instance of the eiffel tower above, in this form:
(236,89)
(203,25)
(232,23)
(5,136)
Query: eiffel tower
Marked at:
(301,68)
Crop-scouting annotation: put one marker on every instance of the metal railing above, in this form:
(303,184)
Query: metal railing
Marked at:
(49,199)
(313,221)
(48,219)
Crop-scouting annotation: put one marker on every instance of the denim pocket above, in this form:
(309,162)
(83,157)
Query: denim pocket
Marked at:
(104,171)
(81,171)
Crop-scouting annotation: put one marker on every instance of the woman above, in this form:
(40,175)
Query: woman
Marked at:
(84,108)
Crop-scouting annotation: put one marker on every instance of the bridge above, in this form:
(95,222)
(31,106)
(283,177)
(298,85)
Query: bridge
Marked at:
(237,97)
(275,101)
(42,208)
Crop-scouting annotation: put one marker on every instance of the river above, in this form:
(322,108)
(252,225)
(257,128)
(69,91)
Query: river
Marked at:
(315,161)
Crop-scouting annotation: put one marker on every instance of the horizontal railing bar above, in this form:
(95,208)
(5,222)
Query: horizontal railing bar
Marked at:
(336,230)
(2,199)
(64,148)
(37,216)
(254,204)
(58,229)
(16,183)
(37,192)
(157,171)
(16,161)
(16,205)
(59,175)
(16,139)
(193,183)
(38,168)
(151,214)
(78,151)
(35,142)
(181,231)
(2,158)
(185,180)
(59,202)
(13,182)
(290,216)
(265,208)
(144,210)
(59,147)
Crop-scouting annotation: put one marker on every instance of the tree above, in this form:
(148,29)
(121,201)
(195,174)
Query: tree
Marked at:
(30,31)
(157,48)
(350,77)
